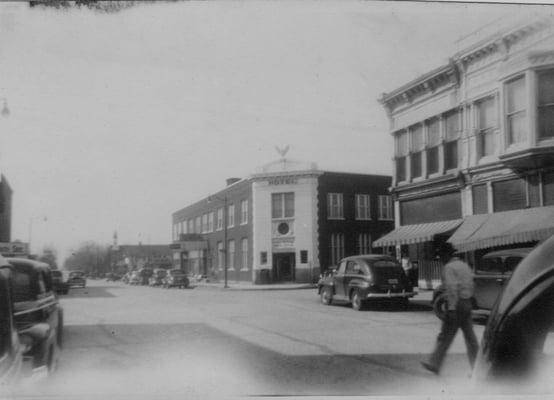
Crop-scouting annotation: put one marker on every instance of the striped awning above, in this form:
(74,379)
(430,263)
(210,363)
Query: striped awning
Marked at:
(418,233)
(504,228)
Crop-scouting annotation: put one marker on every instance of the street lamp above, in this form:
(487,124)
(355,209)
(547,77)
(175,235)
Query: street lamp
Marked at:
(224,200)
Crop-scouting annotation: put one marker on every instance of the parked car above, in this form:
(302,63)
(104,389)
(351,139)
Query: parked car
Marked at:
(113,276)
(37,313)
(362,278)
(135,278)
(58,283)
(175,278)
(490,276)
(77,278)
(513,344)
(157,278)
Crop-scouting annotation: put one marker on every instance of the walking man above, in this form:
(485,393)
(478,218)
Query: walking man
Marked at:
(458,283)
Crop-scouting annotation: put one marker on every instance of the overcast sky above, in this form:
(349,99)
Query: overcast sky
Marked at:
(118,120)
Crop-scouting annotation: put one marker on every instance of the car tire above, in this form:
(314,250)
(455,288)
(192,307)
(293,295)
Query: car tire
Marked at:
(326,296)
(440,306)
(356,300)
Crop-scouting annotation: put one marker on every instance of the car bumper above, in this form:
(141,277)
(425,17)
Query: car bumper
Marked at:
(390,295)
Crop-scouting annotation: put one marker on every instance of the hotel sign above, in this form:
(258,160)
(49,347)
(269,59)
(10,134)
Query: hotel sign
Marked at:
(283,180)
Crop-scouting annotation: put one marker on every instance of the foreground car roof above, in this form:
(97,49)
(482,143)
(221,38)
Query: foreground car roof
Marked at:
(510,252)
(370,257)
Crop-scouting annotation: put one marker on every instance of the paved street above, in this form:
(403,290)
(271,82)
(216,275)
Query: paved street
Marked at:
(139,341)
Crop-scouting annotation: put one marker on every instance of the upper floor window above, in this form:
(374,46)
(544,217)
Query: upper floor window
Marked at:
(198,225)
(363,211)
(282,205)
(385,208)
(486,125)
(190,224)
(219,219)
(433,142)
(416,148)
(211,221)
(546,104)
(334,206)
(204,223)
(184,227)
(230,215)
(401,151)
(453,127)
(516,113)
(244,212)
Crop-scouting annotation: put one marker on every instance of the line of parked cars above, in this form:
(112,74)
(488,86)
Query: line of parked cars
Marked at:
(31,320)
(157,277)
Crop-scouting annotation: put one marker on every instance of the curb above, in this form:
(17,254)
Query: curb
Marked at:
(253,287)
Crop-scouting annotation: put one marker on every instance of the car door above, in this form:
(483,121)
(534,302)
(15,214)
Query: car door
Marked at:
(352,271)
(489,280)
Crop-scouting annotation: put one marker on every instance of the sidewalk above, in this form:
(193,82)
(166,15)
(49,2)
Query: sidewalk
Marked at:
(233,285)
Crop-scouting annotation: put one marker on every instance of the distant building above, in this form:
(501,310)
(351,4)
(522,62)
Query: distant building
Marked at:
(130,257)
(287,222)
(474,147)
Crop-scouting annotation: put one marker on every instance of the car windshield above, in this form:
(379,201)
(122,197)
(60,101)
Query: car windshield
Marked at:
(75,274)
(22,290)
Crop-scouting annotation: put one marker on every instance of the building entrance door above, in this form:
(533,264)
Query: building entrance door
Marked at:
(283,267)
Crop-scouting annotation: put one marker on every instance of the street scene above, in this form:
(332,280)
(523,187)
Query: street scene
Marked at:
(232,199)
(124,341)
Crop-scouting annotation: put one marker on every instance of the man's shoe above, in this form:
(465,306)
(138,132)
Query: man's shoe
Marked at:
(430,367)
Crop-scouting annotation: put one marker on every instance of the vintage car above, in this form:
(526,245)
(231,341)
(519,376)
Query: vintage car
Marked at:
(157,278)
(363,278)
(176,278)
(520,322)
(59,285)
(145,274)
(37,313)
(77,278)
(490,276)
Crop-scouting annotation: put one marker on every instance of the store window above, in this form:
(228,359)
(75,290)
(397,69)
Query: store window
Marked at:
(545,86)
(336,244)
(516,113)
(486,126)
(548,188)
(453,129)
(385,208)
(510,195)
(433,142)
(335,206)
(231,255)
(401,152)
(363,244)
(244,253)
(282,205)
(363,211)
(416,149)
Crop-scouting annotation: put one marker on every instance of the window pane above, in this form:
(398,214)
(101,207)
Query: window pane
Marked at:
(548,189)
(487,114)
(546,122)
(401,143)
(276,205)
(451,155)
(452,125)
(510,195)
(487,143)
(401,169)
(546,87)
(480,199)
(289,205)
(515,95)
(417,138)
(517,127)
(433,132)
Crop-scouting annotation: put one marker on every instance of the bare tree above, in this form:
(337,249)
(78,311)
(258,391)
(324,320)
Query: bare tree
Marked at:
(90,257)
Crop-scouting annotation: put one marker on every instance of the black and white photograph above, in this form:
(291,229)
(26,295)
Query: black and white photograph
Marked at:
(276,199)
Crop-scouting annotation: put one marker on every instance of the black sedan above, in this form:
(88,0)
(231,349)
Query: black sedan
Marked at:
(363,278)
(77,278)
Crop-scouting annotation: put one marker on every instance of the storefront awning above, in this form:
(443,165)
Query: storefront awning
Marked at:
(418,233)
(504,228)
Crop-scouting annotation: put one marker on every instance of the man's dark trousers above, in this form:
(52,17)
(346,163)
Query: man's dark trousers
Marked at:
(460,318)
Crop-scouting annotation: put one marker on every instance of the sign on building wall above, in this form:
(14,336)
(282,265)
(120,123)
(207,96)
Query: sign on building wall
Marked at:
(14,249)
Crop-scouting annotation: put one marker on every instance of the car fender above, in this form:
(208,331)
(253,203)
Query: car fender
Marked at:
(357,283)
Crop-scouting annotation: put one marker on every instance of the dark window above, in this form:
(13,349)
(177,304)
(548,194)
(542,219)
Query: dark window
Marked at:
(546,104)
(548,188)
(401,169)
(263,257)
(416,165)
(534,191)
(480,199)
(451,155)
(447,206)
(516,112)
(432,160)
(509,195)
(303,256)
(486,110)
